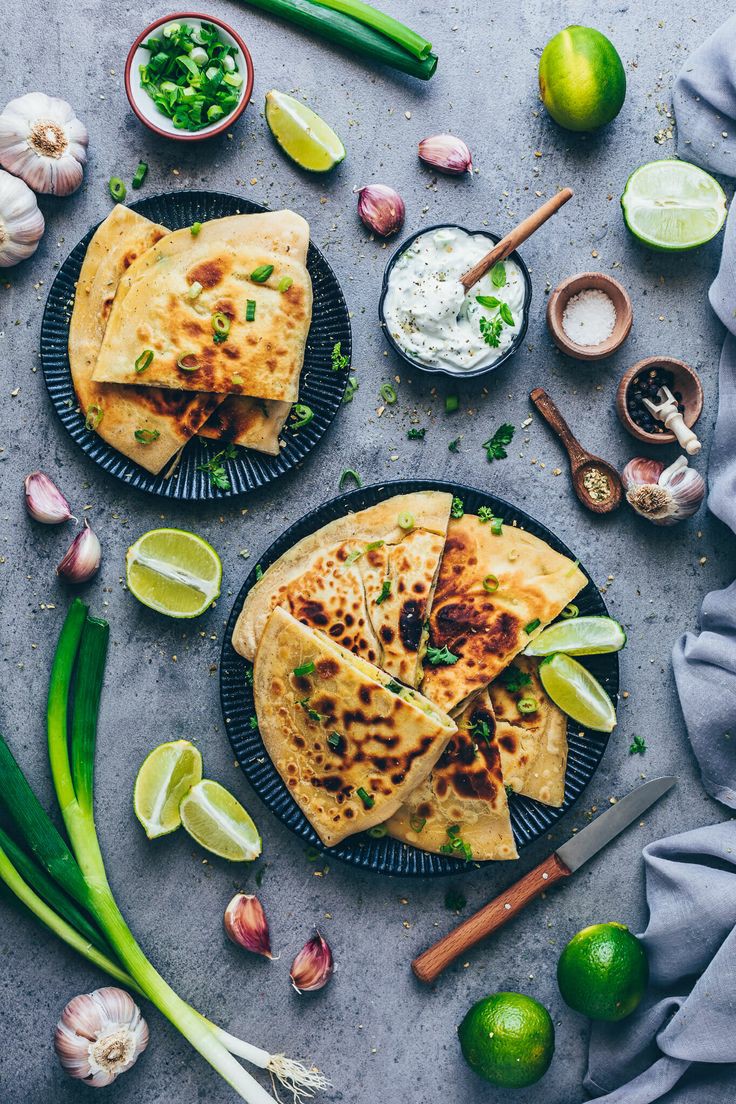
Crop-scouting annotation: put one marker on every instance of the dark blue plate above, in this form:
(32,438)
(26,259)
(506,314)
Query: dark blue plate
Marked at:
(530,819)
(320,387)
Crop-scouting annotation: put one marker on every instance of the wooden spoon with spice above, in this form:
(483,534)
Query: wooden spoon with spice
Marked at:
(596,482)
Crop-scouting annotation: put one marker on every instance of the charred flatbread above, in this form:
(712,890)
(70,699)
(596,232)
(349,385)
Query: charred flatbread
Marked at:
(495,592)
(254,423)
(532,745)
(171,298)
(363,580)
(461,809)
(349,742)
(167,418)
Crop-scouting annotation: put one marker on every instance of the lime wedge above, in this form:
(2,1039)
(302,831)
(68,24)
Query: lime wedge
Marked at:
(673,205)
(579,636)
(166,776)
(219,823)
(577,693)
(302,135)
(173,571)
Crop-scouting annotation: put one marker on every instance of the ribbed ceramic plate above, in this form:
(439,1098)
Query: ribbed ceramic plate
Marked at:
(530,819)
(320,387)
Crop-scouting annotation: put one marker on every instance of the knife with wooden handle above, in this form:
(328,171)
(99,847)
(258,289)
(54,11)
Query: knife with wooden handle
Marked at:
(560,864)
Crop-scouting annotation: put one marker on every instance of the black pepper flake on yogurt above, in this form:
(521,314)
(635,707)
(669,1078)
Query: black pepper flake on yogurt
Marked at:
(646,385)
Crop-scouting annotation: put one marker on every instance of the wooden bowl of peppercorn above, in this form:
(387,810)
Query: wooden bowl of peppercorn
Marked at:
(644,380)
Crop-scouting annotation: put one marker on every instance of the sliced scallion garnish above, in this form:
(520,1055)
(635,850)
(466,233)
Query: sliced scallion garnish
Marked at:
(188,362)
(452,402)
(388,393)
(260,275)
(147,436)
(195,290)
(285,283)
(570,611)
(334,740)
(367,799)
(497,527)
(416,823)
(250,310)
(385,592)
(139,175)
(144,360)
(195,228)
(94,416)
(406,520)
(528,629)
(349,473)
(305,669)
(378,831)
(118,191)
(491,583)
(302,414)
(220,327)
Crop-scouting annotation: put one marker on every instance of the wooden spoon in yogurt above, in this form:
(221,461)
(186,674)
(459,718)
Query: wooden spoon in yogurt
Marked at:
(596,482)
(515,237)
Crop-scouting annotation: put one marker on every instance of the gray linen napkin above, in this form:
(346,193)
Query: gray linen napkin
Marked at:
(679,1047)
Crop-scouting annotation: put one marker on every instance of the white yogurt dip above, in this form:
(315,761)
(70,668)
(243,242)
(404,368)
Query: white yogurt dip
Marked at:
(434,320)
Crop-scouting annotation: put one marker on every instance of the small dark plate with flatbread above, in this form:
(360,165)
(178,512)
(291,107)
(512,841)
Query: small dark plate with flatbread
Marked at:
(529,819)
(320,387)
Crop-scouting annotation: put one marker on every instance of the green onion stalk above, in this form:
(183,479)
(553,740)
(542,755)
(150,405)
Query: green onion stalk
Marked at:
(360,28)
(54,881)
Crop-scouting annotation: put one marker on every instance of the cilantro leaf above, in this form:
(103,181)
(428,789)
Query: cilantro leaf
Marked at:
(441,657)
(457,509)
(485,513)
(216,469)
(481,730)
(339,361)
(415,434)
(514,679)
(495,446)
(491,331)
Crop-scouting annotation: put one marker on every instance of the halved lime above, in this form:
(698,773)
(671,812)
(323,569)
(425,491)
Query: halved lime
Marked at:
(302,134)
(577,692)
(166,776)
(219,823)
(173,571)
(673,205)
(579,636)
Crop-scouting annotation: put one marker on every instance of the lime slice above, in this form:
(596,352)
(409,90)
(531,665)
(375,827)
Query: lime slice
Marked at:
(166,776)
(579,636)
(302,135)
(173,571)
(577,693)
(673,205)
(219,823)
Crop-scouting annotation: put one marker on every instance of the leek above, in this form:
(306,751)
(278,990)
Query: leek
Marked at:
(355,35)
(75,689)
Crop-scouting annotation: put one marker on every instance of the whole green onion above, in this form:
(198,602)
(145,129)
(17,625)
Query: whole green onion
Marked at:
(362,38)
(379,21)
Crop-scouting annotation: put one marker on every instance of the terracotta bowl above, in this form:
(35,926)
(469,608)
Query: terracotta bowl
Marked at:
(687,382)
(584,281)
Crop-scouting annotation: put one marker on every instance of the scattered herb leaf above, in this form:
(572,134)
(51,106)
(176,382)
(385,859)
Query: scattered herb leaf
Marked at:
(441,657)
(416,434)
(498,275)
(454,446)
(514,679)
(495,446)
(457,509)
(215,468)
(339,361)
(485,513)
(638,745)
(385,592)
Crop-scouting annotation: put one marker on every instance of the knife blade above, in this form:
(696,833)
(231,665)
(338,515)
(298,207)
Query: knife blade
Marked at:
(560,864)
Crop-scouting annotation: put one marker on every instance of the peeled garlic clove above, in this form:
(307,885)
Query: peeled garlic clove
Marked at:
(246,924)
(44,143)
(82,561)
(446,153)
(663,495)
(381,209)
(44,500)
(312,968)
(100,1035)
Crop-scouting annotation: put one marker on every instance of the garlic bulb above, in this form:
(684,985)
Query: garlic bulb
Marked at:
(44,500)
(100,1035)
(82,559)
(446,153)
(44,143)
(246,924)
(663,495)
(312,968)
(381,209)
(21,222)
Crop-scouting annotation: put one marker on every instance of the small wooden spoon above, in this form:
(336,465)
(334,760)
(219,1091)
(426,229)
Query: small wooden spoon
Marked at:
(515,237)
(582,462)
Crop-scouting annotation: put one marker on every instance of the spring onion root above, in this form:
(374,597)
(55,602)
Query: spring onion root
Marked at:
(68,890)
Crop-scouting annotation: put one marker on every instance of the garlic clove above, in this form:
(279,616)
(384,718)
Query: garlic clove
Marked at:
(44,500)
(313,966)
(100,1035)
(82,559)
(44,143)
(446,153)
(246,925)
(381,209)
(641,470)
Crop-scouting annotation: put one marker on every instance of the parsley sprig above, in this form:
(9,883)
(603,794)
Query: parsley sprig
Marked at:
(339,360)
(495,446)
(215,467)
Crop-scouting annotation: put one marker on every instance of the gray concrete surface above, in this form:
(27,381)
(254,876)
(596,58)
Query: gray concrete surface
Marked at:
(374,1030)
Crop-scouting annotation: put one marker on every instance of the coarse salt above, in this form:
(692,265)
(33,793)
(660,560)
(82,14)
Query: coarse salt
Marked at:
(589,317)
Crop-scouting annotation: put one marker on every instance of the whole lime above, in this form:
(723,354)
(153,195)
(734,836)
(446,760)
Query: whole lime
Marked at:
(508,1039)
(603,972)
(581,79)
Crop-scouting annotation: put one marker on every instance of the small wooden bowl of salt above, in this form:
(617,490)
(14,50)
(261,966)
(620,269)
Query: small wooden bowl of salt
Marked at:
(589,315)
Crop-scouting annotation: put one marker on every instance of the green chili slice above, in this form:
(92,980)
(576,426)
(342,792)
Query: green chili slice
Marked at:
(260,275)
(527,705)
(388,393)
(118,191)
(188,362)
(147,436)
(144,360)
(491,583)
(94,416)
(303,415)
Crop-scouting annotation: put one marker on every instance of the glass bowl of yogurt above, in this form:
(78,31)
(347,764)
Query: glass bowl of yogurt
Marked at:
(430,319)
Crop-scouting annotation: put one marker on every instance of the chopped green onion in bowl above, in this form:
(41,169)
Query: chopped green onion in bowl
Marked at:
(188,78)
